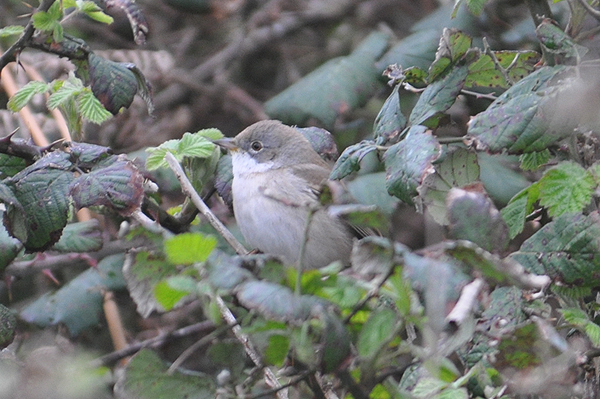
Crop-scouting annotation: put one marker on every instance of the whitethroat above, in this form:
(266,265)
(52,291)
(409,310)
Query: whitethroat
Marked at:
(277,176)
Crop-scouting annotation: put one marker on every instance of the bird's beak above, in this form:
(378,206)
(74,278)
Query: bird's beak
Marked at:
(227,143)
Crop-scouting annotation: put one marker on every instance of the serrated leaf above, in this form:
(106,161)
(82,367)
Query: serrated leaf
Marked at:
(42,191)
(336,87)
(277,302)
(147,376)
(485,73)
(142,272)
(277,349)
(593,332)
(167,296)
(226,272)
(92,10)
(567,250)
(566,188)
(376,332)
(47,20)
(530,116)
(10,166)
(115,183)
(408,162)
(458,168)
(534,160)
(25,94)
(12,30)
(350,159)
(438,97)
(453,45)
(112,83)
(558,42)
(65,91)
(189,248)
(390,121)
(81,237)
(194,145)
(321,140)
(224,178)
(473,217)
(91,108)
(521,205)
(9,246)
(78,304)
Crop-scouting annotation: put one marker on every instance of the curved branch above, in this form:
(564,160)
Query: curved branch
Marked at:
(22,42)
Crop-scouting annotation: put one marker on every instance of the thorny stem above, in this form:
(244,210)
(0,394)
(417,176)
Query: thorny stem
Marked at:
(22,42)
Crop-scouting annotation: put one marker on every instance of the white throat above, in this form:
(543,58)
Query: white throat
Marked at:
(244,164)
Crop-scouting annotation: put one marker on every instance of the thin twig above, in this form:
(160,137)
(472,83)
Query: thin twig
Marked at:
(112,357)
(188,189)
(479,95)
(594,13)
(23,41)
(197,345)
(269,392)
(270,377)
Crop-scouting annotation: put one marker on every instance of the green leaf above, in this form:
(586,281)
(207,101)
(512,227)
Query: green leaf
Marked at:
(277,349)
(336,87)
(473,217)
(390,121)
(12,30)
(408,162)
(189,248)
(350,159)
(567,250)
(112,83)
(42,192)
(9,246)
(224,178)
(530,116)
(81,237)
(114,183)
(277,302)
(558,42)
(147,376)
(191,145)
(10,166)
(592,330)
(534,160)
(566,188)
(438,97)
(92,10)
(78,304)
(457,168)
(485,73)
(48,20)
(452,47)
(65,91)
(25,94)
(167,296)
(518,208)
(321,140)
(377,331)
(91,108)
(142,272)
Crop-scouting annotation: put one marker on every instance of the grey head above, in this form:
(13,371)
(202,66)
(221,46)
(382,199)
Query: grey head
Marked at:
(272,141)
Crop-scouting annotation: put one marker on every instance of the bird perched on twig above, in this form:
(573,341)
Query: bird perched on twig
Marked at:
(277,176)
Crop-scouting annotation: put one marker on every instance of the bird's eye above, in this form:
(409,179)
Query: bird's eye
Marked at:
(256,146)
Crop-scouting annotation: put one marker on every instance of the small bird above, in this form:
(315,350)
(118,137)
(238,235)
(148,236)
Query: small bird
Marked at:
(277,176)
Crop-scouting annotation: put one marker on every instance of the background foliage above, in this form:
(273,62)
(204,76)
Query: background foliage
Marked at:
(470,140)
